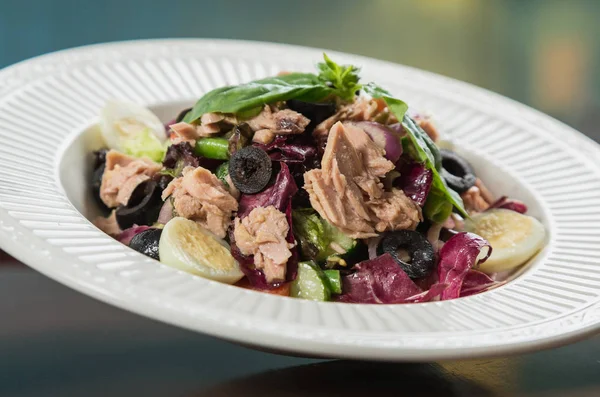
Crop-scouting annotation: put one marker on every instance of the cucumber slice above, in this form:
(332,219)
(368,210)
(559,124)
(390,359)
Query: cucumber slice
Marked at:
(334,281)
(321,241)
(310,283)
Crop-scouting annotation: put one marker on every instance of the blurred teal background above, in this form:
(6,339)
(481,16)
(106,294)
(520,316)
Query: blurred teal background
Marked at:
(56,342)
(540,52)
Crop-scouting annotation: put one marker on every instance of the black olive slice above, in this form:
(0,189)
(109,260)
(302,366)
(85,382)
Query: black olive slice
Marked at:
(411,250)
(97,179)
(250,169)
(143,206)
(182,114)
(98,167)
(146,242)
(457,172)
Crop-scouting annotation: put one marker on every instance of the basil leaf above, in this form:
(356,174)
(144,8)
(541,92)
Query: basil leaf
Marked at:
(343,78)
(302,86)
(437,208)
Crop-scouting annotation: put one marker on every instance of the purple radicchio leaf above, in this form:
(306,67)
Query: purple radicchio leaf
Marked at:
(415,180)
(476,282)
(129,233)
(459,254)
(509,204)
(282,149)
(166,212)
(426,296)
(378,280)
(280,196)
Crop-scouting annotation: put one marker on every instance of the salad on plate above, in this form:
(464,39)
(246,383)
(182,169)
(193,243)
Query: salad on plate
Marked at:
(309,185)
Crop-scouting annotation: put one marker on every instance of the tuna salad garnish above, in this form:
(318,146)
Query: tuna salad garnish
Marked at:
(309,185)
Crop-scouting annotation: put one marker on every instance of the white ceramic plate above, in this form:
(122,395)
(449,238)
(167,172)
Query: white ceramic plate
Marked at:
(48,106)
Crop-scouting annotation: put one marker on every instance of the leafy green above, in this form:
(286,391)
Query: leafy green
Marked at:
(145,144)
(344,79)
(437,208)
(247,99)
(427,152)
(233,99)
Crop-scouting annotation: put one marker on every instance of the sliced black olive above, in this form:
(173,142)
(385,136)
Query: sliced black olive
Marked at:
(411,250)
(250,169)
(97,179)
(182,114)
(98,168)
(457,172)
(99,158)
(143,206)
(315,112)
(146,242)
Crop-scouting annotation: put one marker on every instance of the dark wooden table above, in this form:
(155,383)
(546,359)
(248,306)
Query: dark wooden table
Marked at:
(57,342)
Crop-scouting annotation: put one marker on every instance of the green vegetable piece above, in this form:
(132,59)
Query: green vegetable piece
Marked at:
(234,99)
(437,208)
(221,172)
(343,78)
(248,114)
(320,240)
(145,144)
(428,153)
(247,100)
(310,283)
(334,280)
(212,148)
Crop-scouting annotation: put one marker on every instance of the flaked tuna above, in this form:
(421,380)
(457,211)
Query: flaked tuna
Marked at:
(200,196)
(263,234)
(347,190)
(122,175)
(271,122)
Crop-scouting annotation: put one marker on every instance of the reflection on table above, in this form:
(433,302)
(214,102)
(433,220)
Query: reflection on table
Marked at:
(57,342)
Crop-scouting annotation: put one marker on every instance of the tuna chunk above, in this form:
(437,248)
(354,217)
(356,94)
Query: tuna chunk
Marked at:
(184,132)
(122,175)
(262,233)
(360,110)
(429,127)
(210,124)
(485,192)
(272,121)
(200,196)
(263,136)
(347,190)
(473,200)
(395,211)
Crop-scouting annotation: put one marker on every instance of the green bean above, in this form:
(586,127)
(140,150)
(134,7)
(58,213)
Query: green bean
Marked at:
(212,148)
